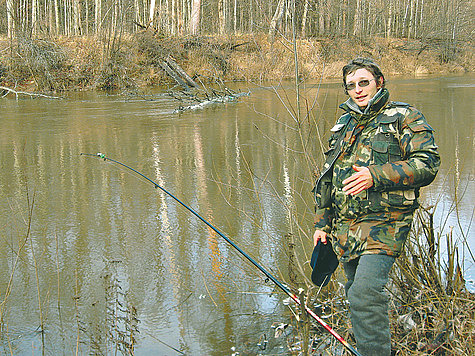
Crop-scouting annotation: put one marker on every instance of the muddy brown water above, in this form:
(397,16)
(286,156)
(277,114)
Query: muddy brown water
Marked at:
(107,261)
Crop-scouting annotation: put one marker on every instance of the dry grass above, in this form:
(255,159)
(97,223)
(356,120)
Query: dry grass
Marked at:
(433,313)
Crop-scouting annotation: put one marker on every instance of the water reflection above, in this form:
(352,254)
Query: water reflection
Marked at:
(99,236)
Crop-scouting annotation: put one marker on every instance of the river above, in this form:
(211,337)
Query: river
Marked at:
(103,262)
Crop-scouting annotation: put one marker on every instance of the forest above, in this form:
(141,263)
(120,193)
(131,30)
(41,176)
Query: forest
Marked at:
(448,20)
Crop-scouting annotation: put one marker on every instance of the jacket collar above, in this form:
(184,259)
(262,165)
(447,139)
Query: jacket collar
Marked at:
(375,105)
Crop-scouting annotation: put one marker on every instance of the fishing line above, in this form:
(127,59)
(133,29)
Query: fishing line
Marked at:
(249,258)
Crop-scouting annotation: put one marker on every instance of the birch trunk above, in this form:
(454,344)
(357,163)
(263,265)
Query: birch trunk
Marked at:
(321,18)
(406,21)
(389,20)
(86,21)
(303,30)
(98,16)
(34,17)
(221,17)
(357,19)
(152,12)
(235,9)
(195,17)
(279,12)
(10,19)
(411,20)
(56,17)
(66,18)
(77,18)
(174,17)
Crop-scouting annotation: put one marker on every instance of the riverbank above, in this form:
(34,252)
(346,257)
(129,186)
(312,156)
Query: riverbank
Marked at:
(87,63)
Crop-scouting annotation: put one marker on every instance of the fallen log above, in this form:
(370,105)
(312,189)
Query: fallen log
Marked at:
(177,73)
(172,73)
(174,65)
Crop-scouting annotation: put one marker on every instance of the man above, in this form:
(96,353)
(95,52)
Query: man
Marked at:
(381,153)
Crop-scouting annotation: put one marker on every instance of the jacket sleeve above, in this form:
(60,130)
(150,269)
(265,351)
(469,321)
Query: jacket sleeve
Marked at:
(420,161)
(323,219)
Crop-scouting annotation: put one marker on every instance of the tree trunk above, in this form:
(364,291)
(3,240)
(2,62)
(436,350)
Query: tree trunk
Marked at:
(195,17)
(415,18)
(422,13)
(34,17)
(86,21)
(98,16)
(321,18)
(389,19)
(66,18)
(173,26)
(137,16)
(357,19)
(235,9)
(77,17)
(279,12)
(56,18)
(49,10)
(221,17)
(178,18)
(10,19)
(251,17)
(411,20)
(406,21)
(303,30)
(151,16)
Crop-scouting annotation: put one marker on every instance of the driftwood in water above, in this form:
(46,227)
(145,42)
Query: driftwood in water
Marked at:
(4,91)
(177,73)
(199,100)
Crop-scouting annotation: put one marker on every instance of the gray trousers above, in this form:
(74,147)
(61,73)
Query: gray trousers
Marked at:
(367,278)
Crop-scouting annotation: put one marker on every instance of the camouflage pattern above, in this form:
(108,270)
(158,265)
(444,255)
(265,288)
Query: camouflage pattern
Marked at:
(397,145)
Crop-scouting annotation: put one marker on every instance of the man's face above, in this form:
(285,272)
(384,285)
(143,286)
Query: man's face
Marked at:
(361,95)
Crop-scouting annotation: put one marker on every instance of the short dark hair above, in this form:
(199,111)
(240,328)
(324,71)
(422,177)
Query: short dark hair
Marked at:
(365,63)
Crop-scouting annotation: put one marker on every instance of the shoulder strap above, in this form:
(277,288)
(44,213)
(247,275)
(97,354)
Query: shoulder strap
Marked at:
(341,132)
(400,103)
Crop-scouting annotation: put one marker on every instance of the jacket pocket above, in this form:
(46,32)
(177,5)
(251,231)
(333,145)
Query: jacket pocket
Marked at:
(385,148)
(399,199)
(323,191)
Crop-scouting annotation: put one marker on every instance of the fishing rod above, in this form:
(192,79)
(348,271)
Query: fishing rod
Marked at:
(249,258)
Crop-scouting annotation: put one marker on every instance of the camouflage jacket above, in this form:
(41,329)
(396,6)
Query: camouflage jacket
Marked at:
(397,145)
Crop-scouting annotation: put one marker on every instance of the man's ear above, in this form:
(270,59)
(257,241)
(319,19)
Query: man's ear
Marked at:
(380,82)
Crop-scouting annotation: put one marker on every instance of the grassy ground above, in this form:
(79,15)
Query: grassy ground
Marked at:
(82,63)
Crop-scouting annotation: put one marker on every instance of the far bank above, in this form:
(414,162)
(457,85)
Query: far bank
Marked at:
(139,61)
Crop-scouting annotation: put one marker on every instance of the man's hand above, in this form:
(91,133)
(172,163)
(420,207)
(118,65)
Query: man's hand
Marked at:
(358,181)
(319,235)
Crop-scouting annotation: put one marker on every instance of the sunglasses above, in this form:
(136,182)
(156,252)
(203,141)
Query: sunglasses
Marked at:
(362,83)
